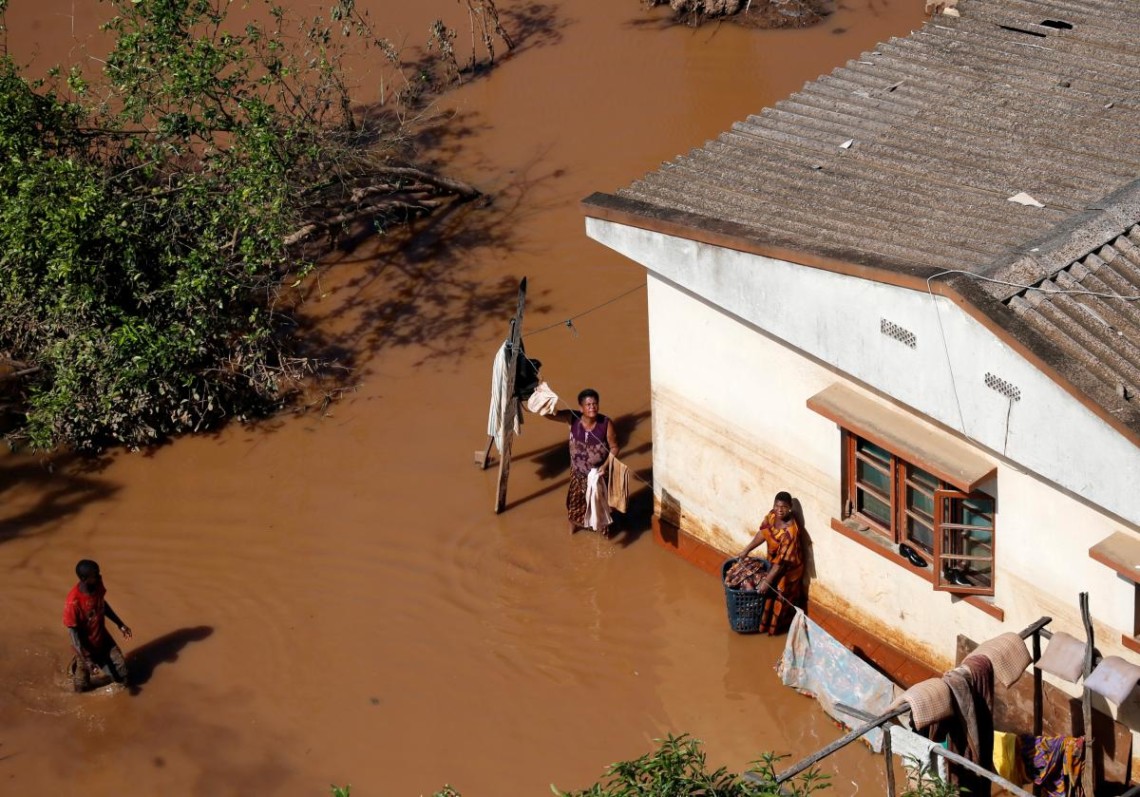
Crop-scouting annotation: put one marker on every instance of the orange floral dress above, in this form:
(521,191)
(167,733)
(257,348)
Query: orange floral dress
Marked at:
(785,549)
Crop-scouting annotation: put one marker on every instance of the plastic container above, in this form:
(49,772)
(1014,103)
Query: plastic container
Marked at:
(744,605)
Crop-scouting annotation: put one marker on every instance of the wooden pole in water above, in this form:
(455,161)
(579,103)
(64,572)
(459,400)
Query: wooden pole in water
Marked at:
(890,762)
(839,743)
(510,411)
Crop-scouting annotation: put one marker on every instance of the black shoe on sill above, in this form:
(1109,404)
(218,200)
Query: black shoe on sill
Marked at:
(911,555)
(955,576)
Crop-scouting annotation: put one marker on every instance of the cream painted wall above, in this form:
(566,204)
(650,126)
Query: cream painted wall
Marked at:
(731,428)
(836,319)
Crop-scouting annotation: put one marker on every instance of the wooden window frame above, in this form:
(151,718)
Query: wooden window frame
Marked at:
(901,476)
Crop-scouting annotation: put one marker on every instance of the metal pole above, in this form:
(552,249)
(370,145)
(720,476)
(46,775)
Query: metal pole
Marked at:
(1089,775)
(1035,627)
(1038,688)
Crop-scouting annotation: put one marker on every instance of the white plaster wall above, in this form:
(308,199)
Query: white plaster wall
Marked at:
(836,319)
(731,428)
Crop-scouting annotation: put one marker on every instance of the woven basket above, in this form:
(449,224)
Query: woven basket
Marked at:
(744,605)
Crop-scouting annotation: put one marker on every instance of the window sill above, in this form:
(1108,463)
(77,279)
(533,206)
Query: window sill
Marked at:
(873,542)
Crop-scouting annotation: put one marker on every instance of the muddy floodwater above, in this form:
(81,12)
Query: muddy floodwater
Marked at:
(329,598)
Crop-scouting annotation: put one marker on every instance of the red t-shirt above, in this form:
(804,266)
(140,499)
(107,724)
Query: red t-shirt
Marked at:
(85,613)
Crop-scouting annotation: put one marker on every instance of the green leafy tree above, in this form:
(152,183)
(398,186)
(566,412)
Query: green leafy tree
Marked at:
(677,768)
(157,222)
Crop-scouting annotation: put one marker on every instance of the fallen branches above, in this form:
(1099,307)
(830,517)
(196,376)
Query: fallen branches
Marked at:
(753,13)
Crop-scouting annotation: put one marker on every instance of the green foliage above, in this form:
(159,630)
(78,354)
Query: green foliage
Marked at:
(925,783)
(678,769)
(342,791)
(149,219)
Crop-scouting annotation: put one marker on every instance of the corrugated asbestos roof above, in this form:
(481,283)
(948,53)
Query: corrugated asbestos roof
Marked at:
(944,126)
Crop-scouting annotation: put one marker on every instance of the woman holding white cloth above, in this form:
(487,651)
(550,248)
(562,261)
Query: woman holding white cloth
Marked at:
(593,443)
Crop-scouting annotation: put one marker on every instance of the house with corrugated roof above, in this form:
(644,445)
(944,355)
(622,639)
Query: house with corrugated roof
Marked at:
(908,294)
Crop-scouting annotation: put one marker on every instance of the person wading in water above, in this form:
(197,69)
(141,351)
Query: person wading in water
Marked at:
(83,614)
(593,441)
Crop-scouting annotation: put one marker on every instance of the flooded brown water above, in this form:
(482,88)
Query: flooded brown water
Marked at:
(329,598)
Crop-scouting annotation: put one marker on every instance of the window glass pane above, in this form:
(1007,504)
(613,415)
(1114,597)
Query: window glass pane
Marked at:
(928,481)
(978,513)
(873,477)
(919,533)
(920,502)
(871,506)
(873,451)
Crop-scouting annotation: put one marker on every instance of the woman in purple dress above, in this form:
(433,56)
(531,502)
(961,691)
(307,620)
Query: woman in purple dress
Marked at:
(593,442)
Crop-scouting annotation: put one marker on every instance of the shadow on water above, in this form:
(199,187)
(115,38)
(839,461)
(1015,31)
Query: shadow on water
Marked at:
(530,26)
(419,288)
(553,461)
(534,25)
(144,660)
(62,487)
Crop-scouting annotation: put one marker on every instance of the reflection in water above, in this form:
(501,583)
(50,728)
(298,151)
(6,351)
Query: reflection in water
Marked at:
(376,622)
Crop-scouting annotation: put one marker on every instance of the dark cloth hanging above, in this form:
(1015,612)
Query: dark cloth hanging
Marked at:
(526,372)
(970,732)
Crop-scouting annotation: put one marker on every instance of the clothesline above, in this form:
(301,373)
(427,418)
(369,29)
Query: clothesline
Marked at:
(634,473)
(569,322)
(589,432)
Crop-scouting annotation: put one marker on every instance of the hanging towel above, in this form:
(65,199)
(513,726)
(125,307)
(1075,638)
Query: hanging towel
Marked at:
(1114,678)
(543,400)
(597,507)
(915,753)
(974,716)
(1065,657)
(617,477)
(929,702)
(1009,656)
(499,398)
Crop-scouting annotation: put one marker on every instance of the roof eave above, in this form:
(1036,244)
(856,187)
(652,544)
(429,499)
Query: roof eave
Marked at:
(966,293)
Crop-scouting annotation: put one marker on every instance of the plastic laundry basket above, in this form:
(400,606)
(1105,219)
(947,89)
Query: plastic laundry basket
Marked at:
(744,605)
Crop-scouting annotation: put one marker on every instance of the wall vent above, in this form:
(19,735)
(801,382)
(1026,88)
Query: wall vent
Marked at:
(901,334)
(1007,389)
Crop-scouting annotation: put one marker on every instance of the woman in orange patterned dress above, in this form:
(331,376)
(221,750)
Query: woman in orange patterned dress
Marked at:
(781,531)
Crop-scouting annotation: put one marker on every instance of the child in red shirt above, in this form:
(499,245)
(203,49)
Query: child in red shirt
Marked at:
(83,614)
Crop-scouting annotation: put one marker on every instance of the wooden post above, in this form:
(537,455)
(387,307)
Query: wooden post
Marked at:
(1088,777)
(890,762)
(510,411)
(839,743)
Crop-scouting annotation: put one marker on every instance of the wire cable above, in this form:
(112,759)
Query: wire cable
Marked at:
(569,322)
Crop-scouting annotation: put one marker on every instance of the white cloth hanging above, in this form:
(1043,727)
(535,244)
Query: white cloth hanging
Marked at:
(597,501)
(543,400)
(499,399)
(915,751)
